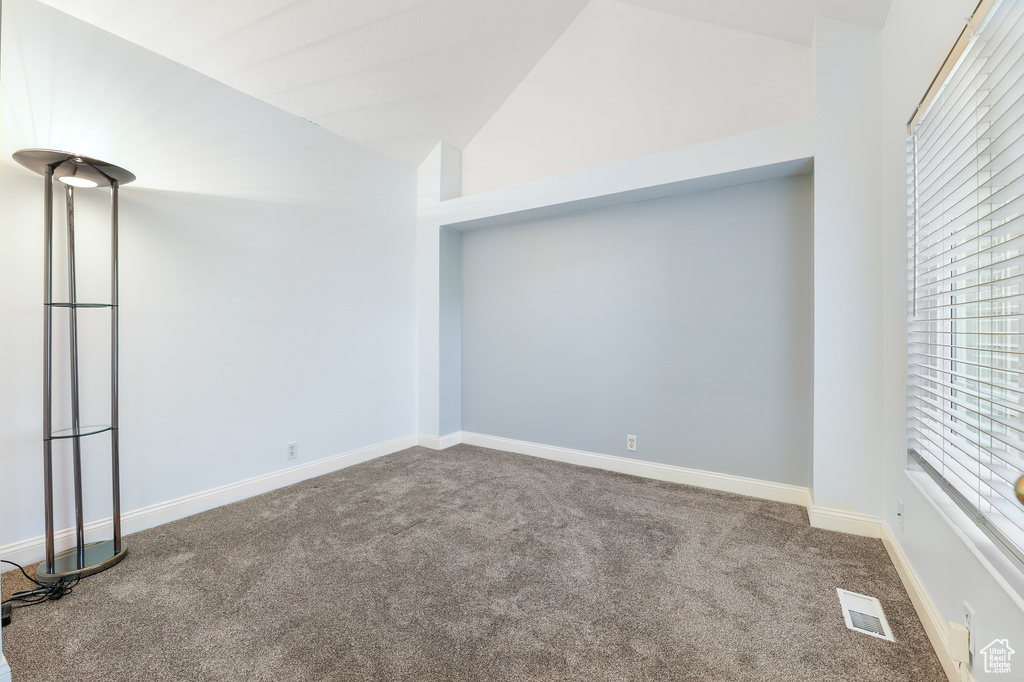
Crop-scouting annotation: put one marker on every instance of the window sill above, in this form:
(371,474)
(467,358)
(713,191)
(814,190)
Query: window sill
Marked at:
(1002,570)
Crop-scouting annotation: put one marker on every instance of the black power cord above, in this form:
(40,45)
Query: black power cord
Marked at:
(42,592)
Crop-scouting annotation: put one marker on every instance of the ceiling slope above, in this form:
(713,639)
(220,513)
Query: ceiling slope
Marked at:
(396,76)
(790,20)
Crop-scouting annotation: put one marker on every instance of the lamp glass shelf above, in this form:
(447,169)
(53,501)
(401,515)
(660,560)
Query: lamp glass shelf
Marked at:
(62,304)
(80,431)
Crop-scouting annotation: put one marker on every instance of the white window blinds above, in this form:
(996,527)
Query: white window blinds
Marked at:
(966,212)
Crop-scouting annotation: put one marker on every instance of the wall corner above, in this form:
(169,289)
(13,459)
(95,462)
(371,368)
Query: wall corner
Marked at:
(438,177)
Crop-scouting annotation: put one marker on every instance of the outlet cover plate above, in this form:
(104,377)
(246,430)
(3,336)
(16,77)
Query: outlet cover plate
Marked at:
(971,623)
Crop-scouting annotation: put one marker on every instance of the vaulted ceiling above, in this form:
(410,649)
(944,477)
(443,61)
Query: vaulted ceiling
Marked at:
(790,20)
(397,76)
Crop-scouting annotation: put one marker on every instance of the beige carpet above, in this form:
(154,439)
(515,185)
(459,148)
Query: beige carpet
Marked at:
(12,582)
(473,564)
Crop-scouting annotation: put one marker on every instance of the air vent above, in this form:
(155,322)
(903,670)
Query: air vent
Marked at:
(864,614)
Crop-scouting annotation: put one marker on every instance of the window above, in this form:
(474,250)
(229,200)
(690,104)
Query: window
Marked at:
(966,215)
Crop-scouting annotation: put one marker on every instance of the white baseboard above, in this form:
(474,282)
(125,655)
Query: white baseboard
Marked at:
(844,521)
(435,443)
(33,550)
(5,671)
(820,516)
(451,439)
(425,441)
(934,625)
(767,490)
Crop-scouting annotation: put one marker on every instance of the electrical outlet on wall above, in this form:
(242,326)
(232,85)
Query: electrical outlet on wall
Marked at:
(631,443)
(292,450)
(971,623)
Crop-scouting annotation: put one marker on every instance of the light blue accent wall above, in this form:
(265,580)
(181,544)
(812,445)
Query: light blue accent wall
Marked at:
(450,331)
(685,321)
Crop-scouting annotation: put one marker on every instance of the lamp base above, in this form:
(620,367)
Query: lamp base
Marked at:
(99,556)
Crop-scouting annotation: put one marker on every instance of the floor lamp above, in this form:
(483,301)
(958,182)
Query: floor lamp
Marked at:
(76,172)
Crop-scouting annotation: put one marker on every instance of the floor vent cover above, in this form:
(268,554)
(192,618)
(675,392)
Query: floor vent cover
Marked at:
(864,614)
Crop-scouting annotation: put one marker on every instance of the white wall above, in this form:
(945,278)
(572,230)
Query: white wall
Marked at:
(917,36)
(267,274)
(847,268)
(685,321)
(437,179)
(624,81)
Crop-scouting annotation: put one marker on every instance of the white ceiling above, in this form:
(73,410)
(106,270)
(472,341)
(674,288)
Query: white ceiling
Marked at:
(790,20)
(397,76)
